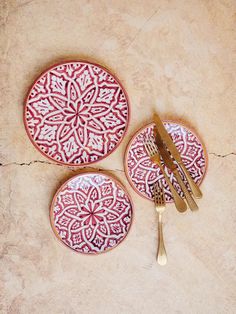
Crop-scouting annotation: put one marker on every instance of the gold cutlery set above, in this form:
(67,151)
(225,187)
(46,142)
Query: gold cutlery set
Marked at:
(162,151)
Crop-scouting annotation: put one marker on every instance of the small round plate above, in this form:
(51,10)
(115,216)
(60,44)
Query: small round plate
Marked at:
(142,173)
(76,113)
(91,213)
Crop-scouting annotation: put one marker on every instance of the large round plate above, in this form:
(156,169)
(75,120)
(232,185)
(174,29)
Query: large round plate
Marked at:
(76,113)
(91,213)
(142,173)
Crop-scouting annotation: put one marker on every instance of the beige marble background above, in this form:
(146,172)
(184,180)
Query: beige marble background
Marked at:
(173,56)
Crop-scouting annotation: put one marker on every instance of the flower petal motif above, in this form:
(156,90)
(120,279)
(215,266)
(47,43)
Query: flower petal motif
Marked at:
(58,85)
(43,106)
(76,238)
(95,141)
(88,232)
(110,120)
(106,189)
(106,95)
(68,199)
(70,146)
(64,221)
(98,241)
(48,133)
(116,228)
(84,80)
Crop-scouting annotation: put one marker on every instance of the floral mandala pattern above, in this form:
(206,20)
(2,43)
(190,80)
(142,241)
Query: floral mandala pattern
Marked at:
(142,173)
(91,213)
(76,113)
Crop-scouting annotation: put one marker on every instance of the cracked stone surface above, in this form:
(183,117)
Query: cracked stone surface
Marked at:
(172,56)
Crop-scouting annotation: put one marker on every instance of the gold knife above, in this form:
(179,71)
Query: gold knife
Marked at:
(175,153)
(170,164)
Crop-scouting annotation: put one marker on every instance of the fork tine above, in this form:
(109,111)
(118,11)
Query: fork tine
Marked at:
(145,146)
(164,198)
(154,147)
(148,148)
(155,194)
(160,195)
(163,201)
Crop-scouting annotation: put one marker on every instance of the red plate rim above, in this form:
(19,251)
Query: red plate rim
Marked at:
(111,177)
(44,72)
(146,126)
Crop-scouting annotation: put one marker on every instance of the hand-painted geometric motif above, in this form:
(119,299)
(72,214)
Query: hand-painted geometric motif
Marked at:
(142,173)
(91,213)
(76,113)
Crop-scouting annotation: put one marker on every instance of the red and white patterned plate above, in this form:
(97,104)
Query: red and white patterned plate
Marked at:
(91,213)
(76,113)
(142,173)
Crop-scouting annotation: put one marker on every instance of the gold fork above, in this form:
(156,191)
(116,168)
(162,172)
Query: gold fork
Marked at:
(160,205)
(155,157)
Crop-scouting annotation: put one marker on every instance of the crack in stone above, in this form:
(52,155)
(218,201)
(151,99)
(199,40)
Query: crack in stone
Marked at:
(54,164)
(28,163)
(222,156)
(141,28)
(71,168)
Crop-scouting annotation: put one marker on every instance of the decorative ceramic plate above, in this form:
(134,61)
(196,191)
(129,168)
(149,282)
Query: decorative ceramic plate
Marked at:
(142,173)
(76,113)
(91,213)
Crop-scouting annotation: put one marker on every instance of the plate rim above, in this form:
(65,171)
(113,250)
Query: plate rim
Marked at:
(125,158)
(25,107)
(109,176)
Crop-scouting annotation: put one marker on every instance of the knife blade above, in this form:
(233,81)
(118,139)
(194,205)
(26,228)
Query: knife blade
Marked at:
(167,138)
(176,155)
(171,165)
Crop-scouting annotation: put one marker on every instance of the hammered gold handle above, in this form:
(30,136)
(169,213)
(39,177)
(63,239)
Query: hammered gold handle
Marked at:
(191,203)
(161,252)
(194,187)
